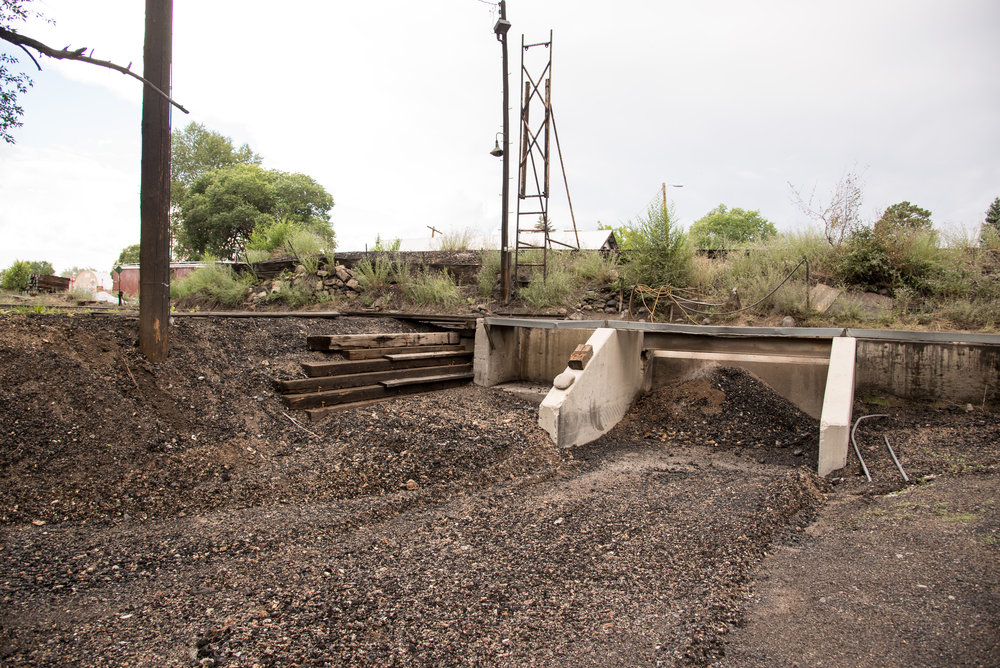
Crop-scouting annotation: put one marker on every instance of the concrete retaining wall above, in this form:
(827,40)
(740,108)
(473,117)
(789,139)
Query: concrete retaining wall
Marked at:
(600,394)
(504,354)
(954,372)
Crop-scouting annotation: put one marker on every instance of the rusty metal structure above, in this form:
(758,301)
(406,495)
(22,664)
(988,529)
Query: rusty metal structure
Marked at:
(532,220)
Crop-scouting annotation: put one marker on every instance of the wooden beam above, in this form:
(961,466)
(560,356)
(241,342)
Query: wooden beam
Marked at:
(318,369)
(427,380)
(343,341)
(375,353)
(322,384)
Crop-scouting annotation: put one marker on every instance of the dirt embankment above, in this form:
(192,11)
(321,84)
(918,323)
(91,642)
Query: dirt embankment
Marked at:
(174,514)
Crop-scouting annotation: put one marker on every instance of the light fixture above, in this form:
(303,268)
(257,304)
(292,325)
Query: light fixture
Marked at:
(497,151)
(501,28)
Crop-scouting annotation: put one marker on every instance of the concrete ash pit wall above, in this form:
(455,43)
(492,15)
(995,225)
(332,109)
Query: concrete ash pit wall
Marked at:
(923,366)
(801,364)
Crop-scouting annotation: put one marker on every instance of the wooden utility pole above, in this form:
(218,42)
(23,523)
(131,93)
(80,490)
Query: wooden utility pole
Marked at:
(501,28)
(154,195)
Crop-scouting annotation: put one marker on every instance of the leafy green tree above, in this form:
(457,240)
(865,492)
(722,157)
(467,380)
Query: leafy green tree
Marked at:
(301,199)
(196,150)
(17,277)
(12,84)
(129,255)
(223,207)
(41,267)
(724,228)
(903,218)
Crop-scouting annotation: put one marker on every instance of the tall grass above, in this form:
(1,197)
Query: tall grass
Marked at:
(456,240)
(489,273)
(374,276)
(428,287)
(216,282)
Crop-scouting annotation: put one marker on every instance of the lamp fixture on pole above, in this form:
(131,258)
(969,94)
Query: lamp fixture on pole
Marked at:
(497,151)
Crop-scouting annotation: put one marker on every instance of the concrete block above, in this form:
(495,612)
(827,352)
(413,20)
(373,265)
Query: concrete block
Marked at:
(600,394)
(838,403)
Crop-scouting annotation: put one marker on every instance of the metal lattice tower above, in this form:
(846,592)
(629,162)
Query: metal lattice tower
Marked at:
(532,221)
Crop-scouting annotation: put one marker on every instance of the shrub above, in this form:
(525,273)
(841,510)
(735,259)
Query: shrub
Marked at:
(489,273)
(17,277)
(661,253)
(865,261)
(459,240)
(217,282)
(593,267)
(554,290)
(374,276)
(427,287)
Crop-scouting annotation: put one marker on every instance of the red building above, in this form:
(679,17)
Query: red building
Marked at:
(128,279)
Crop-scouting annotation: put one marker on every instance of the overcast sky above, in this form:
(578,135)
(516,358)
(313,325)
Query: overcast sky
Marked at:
(393,107)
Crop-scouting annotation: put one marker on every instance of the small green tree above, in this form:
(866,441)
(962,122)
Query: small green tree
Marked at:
(724,228)
(129,255)
(903,218)
(991,225)
(17,277)
(659,253)
(41,267)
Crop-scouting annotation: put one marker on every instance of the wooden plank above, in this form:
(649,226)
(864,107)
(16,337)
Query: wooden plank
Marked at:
(330,397)
(426,380)
(318,369)
(322,412)
(305,385)
(341,341)
(581,356)
(405,357)
(256,314)
(374,353)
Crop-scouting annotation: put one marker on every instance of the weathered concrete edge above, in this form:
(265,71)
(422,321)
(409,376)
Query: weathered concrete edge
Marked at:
(601,393)
(726,331)
(838,403)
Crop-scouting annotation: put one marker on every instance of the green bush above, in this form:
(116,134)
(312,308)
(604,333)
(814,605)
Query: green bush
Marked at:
(429,287)
(593,267)
(489,273)
(17,277)
(661,253)
(553,290)
(374,276)
(217,282)
(865,261)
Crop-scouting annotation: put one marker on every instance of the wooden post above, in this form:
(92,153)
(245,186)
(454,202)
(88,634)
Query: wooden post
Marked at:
(154,197)
(505,280)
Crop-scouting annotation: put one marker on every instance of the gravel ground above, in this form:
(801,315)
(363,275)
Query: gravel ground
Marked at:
(174,514)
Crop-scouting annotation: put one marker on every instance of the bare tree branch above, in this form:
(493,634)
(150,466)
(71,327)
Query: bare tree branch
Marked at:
(66,54)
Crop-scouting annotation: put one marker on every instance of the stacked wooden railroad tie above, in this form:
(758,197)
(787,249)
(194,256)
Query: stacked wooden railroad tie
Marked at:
(377,367)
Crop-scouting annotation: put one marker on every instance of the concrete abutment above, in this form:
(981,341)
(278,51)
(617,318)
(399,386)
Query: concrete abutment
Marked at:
(817,369)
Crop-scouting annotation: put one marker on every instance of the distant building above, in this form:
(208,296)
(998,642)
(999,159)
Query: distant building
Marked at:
(128,279)
(86,280)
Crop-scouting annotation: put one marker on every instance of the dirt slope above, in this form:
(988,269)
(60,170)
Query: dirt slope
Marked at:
(173,514)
